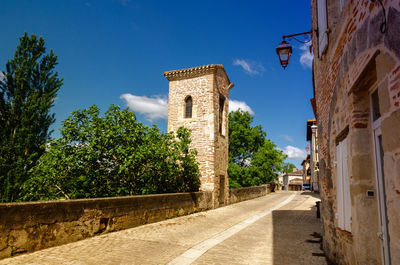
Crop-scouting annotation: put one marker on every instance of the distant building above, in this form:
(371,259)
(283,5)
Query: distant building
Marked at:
(312,134)
(279,181)
(306,170)
(293,180)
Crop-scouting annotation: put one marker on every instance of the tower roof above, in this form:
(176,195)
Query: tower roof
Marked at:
(194,72)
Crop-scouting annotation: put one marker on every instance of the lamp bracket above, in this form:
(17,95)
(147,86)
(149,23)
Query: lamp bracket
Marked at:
(383,26)
(306,35)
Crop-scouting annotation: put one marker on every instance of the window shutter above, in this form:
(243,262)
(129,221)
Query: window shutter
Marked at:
(322,26)
(346,189)
(343,187)
(339,185)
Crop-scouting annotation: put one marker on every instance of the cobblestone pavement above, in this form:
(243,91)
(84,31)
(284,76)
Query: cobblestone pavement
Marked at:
(268,230)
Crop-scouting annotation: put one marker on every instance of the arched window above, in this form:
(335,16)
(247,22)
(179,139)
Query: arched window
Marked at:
(188,107)
(221,113)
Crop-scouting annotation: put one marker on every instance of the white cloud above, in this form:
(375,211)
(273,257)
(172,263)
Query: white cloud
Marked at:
(306,57)
(294,153)
(234,105)
(153,108)
(156,107)
(287,138)
(249,67)
(1,75)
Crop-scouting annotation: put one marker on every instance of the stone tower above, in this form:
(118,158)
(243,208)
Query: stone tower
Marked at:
(198,100)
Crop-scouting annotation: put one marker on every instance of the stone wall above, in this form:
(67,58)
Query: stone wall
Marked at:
(359,58)
(248,193)
(30,226)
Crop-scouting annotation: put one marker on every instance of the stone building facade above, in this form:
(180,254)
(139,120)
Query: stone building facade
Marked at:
(198,100)
(312,135)
(293,180)
(357,92)
(306,170)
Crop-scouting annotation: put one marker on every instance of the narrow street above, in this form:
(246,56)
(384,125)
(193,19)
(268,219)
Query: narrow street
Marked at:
(268,230)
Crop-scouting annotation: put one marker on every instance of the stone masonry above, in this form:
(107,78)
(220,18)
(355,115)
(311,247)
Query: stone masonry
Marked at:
(358,60)
(31,226)
(208,86)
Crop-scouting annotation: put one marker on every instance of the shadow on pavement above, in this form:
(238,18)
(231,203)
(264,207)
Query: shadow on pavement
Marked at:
(296,236)
(310,193)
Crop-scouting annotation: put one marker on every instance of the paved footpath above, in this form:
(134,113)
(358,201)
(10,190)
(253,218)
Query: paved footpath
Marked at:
(268,230)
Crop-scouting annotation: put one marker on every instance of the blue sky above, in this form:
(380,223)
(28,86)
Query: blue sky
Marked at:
(115,52)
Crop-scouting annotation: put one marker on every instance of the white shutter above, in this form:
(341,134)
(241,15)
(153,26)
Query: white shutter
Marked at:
(346,189)
(322,26)
(343,187)
(339,185)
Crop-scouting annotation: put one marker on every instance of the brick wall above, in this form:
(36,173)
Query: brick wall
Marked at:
(358,59)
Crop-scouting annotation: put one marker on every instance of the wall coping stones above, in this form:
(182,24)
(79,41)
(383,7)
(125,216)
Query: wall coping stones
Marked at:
(194,72)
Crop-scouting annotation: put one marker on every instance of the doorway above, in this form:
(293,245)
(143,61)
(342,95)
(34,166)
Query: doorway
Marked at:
(380,176)
(221,197)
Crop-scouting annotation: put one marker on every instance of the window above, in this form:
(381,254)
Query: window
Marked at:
(221,197)
(221,112)
(343,187)
(376,114)
(322,26)
(383,233)
(188,107)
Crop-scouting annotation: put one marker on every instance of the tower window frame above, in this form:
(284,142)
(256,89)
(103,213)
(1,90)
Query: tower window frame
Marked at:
(376,113)
(188,107)
(221,114)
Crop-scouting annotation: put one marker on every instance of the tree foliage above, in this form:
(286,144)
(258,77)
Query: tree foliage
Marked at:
(114,155)
(253,159)
(28,88)
(288,167)
(244,140)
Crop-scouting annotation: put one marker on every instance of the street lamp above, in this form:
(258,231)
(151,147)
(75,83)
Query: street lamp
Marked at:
(314,128)
(284,49)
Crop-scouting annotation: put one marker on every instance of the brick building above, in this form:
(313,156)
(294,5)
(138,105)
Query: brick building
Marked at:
(357,99)
(306,171)
(198,99)
(311,136)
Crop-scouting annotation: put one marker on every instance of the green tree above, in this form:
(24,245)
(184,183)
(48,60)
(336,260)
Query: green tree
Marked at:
(288,167)
(114,155)
(253,159)
(27,92)
(244,139)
